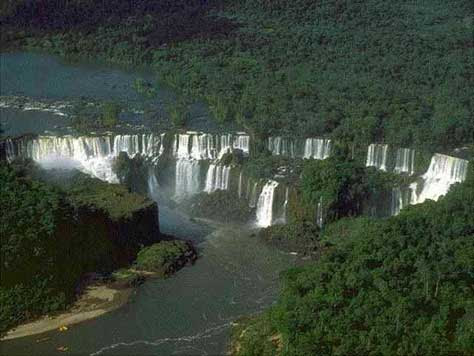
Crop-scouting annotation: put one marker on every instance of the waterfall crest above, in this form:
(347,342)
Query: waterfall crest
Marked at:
(282,147)
(442,173)
(317,148)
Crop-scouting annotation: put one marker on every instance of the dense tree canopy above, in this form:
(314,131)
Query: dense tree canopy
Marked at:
(365,71)
(400,286)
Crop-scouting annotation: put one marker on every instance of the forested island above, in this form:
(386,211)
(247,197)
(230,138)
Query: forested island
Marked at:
(341,132)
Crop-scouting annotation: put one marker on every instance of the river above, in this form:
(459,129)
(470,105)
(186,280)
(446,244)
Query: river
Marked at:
(189,313)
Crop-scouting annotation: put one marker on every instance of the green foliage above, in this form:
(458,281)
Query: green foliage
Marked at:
(113,199)
(165,257)
(57,236)
(400,286)
(254,336)
(110,114)
(216,206)
(302,237)
(360,73)
(144,88)
(342,186)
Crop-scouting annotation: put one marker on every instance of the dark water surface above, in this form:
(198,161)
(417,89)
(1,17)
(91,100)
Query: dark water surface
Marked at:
(187,314)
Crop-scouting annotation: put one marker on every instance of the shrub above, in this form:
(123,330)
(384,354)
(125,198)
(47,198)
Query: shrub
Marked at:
(165,257)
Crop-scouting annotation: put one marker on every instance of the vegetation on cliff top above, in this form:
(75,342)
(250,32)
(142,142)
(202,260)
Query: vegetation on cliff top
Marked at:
(58,237)
(165,257)
(83,190)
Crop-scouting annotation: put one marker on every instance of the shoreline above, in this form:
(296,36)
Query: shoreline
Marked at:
(96,300)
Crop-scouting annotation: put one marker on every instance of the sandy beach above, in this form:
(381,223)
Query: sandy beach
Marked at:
(95,301)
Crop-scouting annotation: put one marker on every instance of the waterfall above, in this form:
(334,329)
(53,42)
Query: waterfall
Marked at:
(284,217)
(202,146)
(317,148)
(92,154)
(400,199)
(217,178)
(405,161)
(442,173)
(242,142)
(9,150)
(187,177)
(252,195)
(153,187)
(128,144)
(265,204)
(181,146)
(377,156)
(320,213)
(240,185)
(282,147)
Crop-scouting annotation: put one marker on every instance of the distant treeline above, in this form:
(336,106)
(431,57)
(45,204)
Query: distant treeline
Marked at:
(397,72)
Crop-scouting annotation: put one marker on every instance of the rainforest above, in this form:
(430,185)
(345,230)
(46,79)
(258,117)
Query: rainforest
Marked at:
(250,178)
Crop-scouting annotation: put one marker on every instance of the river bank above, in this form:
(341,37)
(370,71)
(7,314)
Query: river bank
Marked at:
(95,301)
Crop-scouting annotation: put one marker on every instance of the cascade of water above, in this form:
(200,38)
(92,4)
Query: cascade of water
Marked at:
(187,177)
(282,147)
(252,196)
(153,187)
(400,199)
(240,185)
(317,148)
(181,146)
(265,204)
(405,162)
(242,142)
(202,147)
(320,213)
(442,173)
(9,150)
(217,178)
(127,143)
(284,217)
(377,156)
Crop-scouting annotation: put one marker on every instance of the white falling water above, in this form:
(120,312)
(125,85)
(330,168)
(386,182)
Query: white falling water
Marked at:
(320,213)
(252,194)
(127,143)
(284,217)
(181,146)
(265,204)
(377,156)
(93,155)
(217,178)
(187,177)
(405,161)
(153,187)
(282,147)
(242,142)
(442,173)
(317,148)
(202,146)
(400,199)
(9,150)
(240,185)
